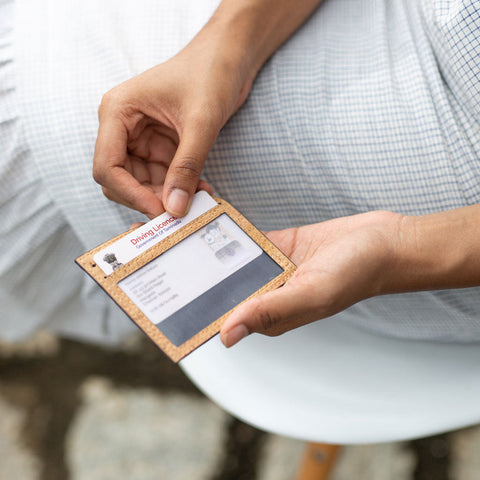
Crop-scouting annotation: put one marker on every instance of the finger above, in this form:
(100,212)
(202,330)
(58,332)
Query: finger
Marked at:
(123,201)
(109,162)
(272,313)
(284,240)
(136,225)
(203,185)
(184,172)
(115,198)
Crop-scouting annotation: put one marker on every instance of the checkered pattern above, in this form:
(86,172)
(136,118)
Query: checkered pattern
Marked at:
(29,218)
(39,284)
(372,104)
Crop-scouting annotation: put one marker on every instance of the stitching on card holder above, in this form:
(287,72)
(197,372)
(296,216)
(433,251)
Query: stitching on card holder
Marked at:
(110,282)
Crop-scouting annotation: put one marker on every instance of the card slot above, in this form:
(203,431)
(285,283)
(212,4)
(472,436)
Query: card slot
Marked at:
(156,250)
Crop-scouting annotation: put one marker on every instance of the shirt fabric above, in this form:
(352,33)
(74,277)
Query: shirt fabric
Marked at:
(372,104)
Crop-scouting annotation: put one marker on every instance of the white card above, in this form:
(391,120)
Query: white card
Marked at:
(144,237)
(190,268)
(202,277)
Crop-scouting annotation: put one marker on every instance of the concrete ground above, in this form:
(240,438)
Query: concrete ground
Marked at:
(81,412)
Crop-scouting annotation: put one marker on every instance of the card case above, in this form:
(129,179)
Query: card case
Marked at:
(276,268)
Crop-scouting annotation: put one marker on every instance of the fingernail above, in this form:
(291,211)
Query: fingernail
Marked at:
(177,202)
(234,335)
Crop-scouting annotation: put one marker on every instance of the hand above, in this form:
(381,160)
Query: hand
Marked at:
(157,128)
(340,262)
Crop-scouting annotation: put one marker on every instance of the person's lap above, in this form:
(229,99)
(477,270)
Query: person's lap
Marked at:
(340,121)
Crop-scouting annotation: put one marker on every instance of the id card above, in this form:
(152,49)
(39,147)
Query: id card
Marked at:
(178,279)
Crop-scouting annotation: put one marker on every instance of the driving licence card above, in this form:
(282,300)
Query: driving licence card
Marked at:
(179,278)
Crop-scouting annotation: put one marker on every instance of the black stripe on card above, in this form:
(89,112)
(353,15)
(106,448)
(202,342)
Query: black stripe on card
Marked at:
(218,300)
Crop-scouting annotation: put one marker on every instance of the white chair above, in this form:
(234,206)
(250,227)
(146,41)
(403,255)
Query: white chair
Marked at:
(332,383)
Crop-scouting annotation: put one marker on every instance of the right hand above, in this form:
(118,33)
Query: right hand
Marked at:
(340,262)
(156,129)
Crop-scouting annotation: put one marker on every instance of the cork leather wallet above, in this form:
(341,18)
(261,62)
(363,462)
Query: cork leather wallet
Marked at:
(178,279)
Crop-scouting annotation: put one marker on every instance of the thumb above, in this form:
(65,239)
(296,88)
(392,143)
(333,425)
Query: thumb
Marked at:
(184,172)
(273,313)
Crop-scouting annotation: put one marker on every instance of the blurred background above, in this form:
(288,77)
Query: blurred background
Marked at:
(74,411)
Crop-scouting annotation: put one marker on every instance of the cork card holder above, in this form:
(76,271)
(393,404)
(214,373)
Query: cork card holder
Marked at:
(179,279)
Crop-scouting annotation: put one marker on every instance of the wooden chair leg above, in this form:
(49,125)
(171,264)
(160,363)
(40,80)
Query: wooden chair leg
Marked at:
(318,461)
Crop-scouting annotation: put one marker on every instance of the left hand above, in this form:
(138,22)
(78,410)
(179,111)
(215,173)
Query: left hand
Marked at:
(340,262)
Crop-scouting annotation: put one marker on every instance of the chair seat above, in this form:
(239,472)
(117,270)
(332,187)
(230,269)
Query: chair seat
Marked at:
(331,382)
